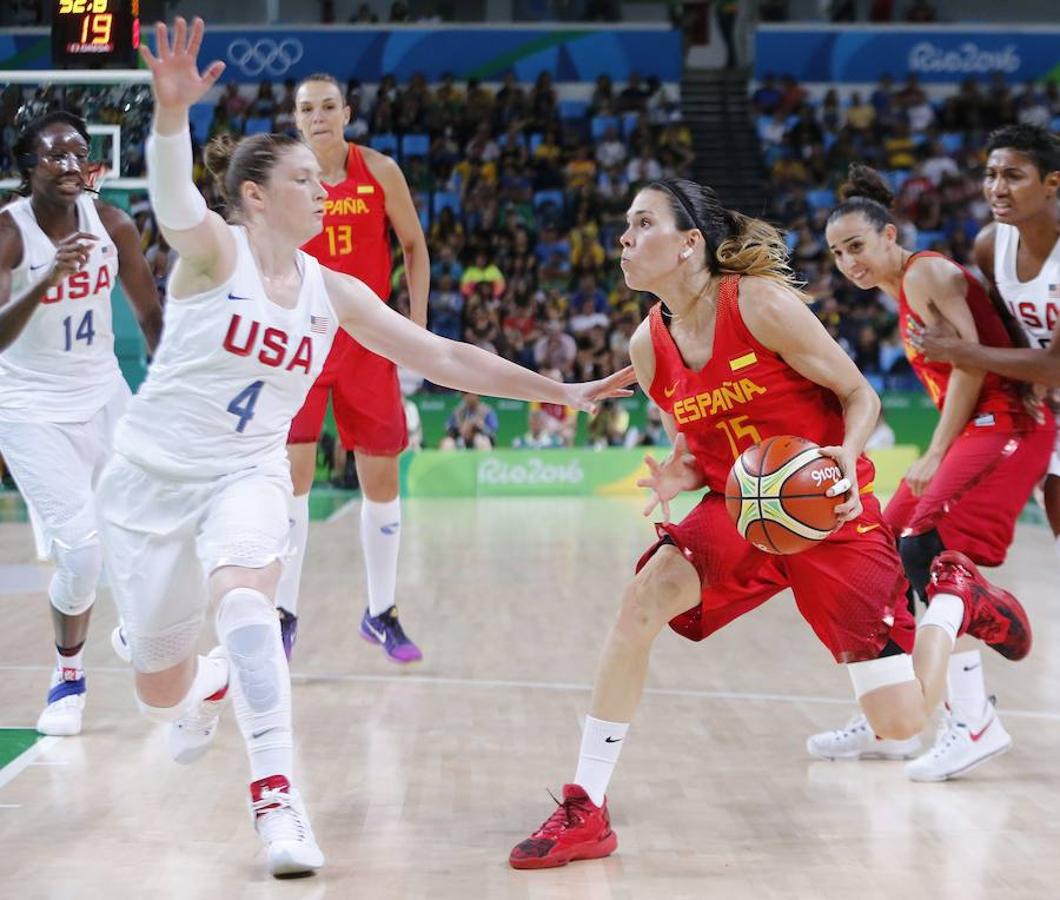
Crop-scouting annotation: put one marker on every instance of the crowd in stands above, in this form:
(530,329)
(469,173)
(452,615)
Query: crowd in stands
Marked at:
(522,192)
(931,151)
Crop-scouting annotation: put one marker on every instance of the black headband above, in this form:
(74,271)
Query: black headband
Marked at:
(673,192)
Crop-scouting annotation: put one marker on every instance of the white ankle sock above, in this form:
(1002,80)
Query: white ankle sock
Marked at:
(601,743)
(1056,546)
(291,579)
(946,612)
(75,661)
(380,539)
(966,691)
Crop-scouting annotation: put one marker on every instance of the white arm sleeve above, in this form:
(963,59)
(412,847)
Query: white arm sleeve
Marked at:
(176,201)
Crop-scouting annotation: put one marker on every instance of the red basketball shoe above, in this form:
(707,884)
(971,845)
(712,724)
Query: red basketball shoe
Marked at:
(991,614)
(578,829)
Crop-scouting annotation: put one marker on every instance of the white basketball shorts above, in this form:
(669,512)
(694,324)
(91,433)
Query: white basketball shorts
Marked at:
(56,466)
(162,538)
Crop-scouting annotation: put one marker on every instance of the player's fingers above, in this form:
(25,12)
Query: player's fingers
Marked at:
(652,464)
(840,487)
(651,504)
(195,36)
(147,56)
(180,35)
(162,41)
(212,73)
(689,459)
(666,510)
(646,483)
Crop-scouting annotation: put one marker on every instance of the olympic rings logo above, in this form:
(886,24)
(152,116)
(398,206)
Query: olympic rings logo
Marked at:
(265,55)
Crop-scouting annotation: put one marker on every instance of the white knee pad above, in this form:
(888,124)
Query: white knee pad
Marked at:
(880,673)
(249,629)
(73,586)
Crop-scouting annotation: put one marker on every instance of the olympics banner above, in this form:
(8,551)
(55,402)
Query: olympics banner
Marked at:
(937,54)
(278,53)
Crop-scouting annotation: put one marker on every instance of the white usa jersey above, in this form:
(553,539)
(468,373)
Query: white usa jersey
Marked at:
(1035,304)
(230,373)
(62,367)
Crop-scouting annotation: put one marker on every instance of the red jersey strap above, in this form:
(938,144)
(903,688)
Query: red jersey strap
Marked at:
(730,319)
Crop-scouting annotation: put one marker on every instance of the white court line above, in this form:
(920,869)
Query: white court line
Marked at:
(343,511)
(570,687)
(28,758)
(10,806)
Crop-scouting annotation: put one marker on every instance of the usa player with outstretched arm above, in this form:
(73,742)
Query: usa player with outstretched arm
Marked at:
(194,503)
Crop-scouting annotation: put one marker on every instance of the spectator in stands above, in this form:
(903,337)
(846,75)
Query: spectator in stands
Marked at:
(484,271)
(634,95)
(160,260)
(602,102)
(445,304)
(609,426)
(611,150)
(645,169)
(938,163)
(860,115)
(767,98)
(556,349)
(471,425)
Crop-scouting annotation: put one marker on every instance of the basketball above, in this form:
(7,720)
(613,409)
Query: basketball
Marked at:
(775,494)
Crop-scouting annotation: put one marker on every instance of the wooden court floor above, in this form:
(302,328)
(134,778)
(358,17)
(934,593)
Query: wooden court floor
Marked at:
(419,783)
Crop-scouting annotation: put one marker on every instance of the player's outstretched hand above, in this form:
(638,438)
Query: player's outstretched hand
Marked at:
(178,83)
(850,508)
(678,472)
(586,395)
(71,254)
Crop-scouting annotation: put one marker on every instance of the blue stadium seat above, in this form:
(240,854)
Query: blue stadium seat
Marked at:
(415,145)
(1055,123)
(443,199)
(573,110)
(536,139)
(925,239)
(258,126)
(384,143)
(791,238)
(952,141)
(598,125)
(201,117)
(629,123)
(551,196)
(822,198)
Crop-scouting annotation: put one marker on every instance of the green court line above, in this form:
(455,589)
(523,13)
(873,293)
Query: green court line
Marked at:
(14,742)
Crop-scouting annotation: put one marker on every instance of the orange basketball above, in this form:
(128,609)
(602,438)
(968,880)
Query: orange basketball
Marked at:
(776,494)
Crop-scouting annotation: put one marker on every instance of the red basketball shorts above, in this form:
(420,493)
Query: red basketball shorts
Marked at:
(850,588)
(978,492)
(366,396)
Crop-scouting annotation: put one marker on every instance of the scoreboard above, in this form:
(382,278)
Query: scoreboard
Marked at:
(89,34)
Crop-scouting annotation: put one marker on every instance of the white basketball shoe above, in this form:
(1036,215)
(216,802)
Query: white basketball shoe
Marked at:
(281,822)
(190,736)
(61,715)
(857,740)
(961,746)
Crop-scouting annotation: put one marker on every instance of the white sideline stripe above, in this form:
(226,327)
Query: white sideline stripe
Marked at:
(14,768)
(343,511)
(570,687)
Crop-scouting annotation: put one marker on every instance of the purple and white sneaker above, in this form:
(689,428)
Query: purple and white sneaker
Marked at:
(288,630)
(386,630)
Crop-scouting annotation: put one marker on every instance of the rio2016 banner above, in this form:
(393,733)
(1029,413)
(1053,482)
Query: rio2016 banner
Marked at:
(566,473)
(570,54)
(936,54)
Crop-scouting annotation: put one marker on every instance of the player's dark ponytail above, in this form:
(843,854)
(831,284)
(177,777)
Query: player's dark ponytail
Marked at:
(867,193)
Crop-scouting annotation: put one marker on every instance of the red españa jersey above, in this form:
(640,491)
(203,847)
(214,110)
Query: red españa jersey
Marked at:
(743,395)
(998,396)
(356,235)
